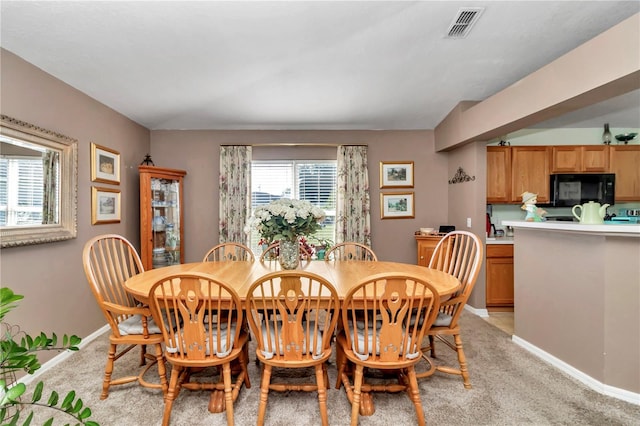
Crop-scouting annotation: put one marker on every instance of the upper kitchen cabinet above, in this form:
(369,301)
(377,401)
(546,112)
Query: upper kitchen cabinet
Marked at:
(498,174)
(530,172)
(624,161)
(579,159)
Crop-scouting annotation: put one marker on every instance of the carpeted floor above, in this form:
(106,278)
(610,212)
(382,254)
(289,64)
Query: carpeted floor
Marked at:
(510,387)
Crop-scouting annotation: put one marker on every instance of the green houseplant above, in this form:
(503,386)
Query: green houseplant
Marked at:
(22,356)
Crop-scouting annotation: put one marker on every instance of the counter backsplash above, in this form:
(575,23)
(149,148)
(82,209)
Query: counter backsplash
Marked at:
(502,212)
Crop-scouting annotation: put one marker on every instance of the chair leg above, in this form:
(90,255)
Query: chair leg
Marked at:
(264,393)
(108,370)
(162,369)
(433,346)
(414,394)
(228,392)
(462,360)
(357,390)
(340,365)
(143,355)
(322,393)
(172,393)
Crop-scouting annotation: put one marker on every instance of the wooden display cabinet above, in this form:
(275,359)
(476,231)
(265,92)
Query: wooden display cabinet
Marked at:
(499,278)
(426,247)
(161,216)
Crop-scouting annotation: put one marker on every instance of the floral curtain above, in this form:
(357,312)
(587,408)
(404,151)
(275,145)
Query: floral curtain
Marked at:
(353,221)
(50,187)
(235,187)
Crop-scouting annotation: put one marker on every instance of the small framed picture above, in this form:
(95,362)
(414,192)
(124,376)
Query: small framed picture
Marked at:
(105,205)
(396,174)
(105,164)
(396,205)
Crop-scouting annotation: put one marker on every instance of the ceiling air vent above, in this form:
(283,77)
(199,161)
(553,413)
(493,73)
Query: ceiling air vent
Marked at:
(464,20)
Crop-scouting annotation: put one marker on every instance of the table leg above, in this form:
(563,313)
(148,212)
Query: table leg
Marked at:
(216,401)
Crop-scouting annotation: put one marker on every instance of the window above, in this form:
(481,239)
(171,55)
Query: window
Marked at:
(311,180)
(21,199)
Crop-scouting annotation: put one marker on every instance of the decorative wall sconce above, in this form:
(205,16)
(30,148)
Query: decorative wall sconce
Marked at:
(461,176)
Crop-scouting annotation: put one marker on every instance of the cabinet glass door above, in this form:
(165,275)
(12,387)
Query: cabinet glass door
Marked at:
(166,224)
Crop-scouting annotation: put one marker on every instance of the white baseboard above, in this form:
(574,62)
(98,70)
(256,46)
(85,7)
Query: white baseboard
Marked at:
(594,384)
(28,378)
(482,313)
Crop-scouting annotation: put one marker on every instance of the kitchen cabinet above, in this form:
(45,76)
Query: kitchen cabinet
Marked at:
(426,246)
(579,159)
(499,275)
(530,172)
(161,216)
(498,174)
(624,161)
(514,170)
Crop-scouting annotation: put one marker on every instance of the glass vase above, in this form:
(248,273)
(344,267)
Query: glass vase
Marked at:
(289,256)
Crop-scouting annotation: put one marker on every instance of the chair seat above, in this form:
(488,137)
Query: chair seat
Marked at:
(317,354)
(368,335)
(133,325)
(210,346)
(443,320)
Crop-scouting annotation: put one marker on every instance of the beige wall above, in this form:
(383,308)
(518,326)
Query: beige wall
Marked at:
(50,276)
(468,200)
(392,239)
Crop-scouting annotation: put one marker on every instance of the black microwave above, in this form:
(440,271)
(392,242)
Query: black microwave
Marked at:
(567,190)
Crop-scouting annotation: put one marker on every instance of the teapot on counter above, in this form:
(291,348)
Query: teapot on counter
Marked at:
(591,213)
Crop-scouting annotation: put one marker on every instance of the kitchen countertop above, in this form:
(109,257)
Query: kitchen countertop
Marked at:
(499,240)
(624,230)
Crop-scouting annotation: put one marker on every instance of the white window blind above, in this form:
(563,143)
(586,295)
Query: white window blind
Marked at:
(314,181)
(21,198)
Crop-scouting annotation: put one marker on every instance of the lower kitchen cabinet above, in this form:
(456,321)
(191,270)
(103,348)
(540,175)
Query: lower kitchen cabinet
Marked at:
(499,282)
(426,246)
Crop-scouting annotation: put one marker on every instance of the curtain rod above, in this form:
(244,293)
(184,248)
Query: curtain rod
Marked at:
(296,144)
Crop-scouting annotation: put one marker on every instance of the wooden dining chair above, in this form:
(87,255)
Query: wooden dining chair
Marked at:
(109,260)
(384,319)
(229,252)
(292,315)
(350,251)
(459,253)
(203,325)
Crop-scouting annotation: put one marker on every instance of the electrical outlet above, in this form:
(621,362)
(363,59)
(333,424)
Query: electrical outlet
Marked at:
(468,222)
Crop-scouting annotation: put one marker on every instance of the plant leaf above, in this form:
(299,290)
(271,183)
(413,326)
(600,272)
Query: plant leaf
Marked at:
(37,393)
(84,414)
(53,399)
(66,403)
(13,393)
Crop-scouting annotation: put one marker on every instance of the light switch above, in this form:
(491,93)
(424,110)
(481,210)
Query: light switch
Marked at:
(468,222)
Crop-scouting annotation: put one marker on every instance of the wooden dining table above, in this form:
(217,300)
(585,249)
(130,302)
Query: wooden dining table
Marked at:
(241,274)
(341,274)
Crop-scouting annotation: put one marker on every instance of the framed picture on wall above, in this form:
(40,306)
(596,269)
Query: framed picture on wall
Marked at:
(105,205)
(396,174)
(396,205)
(105,164)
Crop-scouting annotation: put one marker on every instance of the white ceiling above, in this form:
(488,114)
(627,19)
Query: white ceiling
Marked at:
(303,65)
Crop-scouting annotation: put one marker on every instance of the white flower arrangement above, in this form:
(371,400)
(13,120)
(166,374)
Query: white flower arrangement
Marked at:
(286,219)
